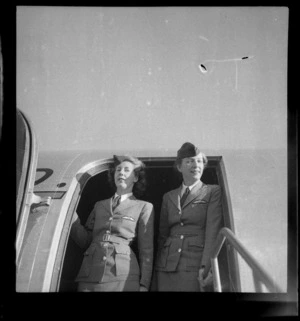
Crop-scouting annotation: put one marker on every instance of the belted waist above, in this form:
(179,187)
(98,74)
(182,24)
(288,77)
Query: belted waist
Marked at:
(184,233)
(112,239)
(186,230)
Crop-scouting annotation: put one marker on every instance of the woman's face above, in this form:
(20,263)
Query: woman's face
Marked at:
(191,169)
(125,177)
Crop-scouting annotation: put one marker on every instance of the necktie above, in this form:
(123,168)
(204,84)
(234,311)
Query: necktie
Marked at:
(116,202)
(184,196)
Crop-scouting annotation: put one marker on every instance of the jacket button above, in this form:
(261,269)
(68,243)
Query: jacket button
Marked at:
(181,236)
(110,219)
(104,258)
(181,224)
(179,250)
(179,213)
(107,232)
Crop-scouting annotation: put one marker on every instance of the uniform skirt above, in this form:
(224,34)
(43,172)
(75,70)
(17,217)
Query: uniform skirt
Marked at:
(115,286)
(180,281)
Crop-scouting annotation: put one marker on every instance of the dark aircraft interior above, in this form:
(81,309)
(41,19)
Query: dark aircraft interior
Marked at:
(161,177)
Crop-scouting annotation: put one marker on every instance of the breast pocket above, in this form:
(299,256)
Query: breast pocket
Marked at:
(129,218)
(195,251)
(87,261)
(126,262)
(200,203)
(127,222)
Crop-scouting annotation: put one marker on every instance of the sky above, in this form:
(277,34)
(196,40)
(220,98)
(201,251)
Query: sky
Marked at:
(138,77)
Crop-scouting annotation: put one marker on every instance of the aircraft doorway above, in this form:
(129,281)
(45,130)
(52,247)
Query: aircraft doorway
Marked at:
(161,178)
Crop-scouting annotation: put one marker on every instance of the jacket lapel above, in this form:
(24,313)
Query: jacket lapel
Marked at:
(175,197)
(107,204)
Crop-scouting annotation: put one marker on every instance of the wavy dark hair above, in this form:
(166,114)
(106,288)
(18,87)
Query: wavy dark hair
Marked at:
(139,187)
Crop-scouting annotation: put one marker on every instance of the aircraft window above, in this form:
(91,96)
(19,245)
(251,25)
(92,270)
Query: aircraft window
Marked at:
(161,177)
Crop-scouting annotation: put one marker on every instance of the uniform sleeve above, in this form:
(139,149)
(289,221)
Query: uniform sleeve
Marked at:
(145,243)
(82,235)
(163,224)
(213,225)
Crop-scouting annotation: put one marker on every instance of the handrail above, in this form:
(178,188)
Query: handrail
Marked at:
(258,271)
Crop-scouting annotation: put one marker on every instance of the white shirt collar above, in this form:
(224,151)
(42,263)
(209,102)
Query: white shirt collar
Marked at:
(191,186)
(123,197)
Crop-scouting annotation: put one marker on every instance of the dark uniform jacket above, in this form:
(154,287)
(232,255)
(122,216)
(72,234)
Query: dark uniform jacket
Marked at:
(187,234)
(106,238)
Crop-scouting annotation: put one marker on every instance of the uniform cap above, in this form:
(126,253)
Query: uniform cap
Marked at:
(187,150)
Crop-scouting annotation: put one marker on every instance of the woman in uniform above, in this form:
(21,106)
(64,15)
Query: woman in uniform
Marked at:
(190,219)
(109,264)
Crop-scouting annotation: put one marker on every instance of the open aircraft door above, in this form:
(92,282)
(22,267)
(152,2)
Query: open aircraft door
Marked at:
(27,153)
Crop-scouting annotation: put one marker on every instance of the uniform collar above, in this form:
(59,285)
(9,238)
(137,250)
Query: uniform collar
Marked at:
(189,187)
(123,197)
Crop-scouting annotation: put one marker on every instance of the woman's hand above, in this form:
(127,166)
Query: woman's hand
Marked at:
(143,289)
(205,282)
